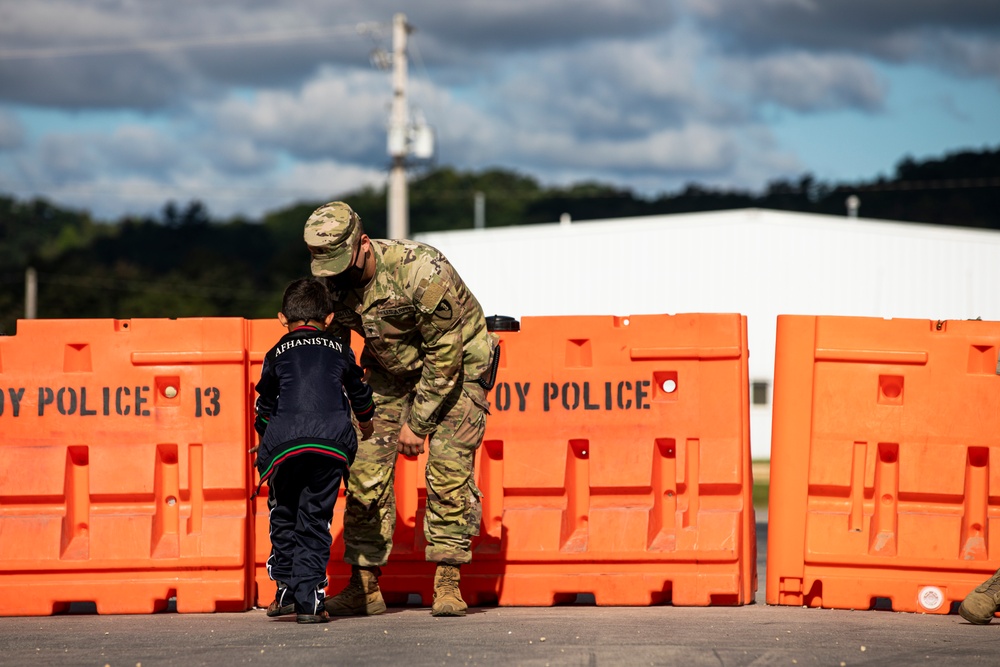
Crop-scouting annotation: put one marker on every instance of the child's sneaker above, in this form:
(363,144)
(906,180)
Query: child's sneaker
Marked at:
(283,602)
(317,614)
(321,617)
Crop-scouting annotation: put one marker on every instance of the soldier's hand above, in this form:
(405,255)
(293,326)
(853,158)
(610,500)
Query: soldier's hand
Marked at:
(410,444)
(254,448)
(367,429)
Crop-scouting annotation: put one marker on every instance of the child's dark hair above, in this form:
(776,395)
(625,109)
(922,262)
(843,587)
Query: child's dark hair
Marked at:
(306,299)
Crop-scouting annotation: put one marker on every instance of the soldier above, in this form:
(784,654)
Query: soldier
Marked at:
(430,361)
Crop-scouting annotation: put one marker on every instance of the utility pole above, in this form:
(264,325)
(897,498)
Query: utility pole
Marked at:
(405,138)
(30,293)
(479,211)
(398,204)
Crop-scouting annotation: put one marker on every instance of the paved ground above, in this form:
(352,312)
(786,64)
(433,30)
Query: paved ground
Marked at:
(755,634)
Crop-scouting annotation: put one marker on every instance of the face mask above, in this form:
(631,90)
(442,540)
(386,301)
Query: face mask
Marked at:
(351,277)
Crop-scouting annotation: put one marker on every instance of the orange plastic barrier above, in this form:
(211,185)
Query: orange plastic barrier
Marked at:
(883,489)
(122,466)
(616,464)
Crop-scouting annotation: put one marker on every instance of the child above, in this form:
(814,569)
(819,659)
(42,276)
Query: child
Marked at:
(307,442)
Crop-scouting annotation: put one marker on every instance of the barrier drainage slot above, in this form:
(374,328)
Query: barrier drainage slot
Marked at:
(168,605)
(560,599)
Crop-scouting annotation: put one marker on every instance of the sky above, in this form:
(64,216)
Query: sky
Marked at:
(119,106)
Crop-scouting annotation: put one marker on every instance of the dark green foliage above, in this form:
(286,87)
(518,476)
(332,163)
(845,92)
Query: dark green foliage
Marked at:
(445,199)
(761,494)
(184,264)
(35,229)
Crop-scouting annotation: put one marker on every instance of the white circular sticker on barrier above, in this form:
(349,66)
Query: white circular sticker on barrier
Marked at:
(930,598)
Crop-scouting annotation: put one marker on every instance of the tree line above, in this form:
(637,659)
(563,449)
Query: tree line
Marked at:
(183,263)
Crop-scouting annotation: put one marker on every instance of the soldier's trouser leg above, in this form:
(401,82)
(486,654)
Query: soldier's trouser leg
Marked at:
(370,511)
(453,506)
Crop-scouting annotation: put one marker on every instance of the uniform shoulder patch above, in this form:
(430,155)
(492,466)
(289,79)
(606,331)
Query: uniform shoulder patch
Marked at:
(443,310)
(432,296)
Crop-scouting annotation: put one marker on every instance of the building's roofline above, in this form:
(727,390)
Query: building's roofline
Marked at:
(722,218)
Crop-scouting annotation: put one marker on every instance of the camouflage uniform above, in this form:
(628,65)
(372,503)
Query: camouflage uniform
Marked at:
(426,344)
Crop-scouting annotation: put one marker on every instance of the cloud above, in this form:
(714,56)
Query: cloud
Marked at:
(326,180)
(891,30)
(696,148)
(335,113)
(238,156)
(639,109)
(136,149)
(157,54)
(808,82)
(101,55)
(11,132)
(531,25)
(110,196)
(106,55)
(613,89)
(100,82)
(960,53)
(63,158)
(129,151)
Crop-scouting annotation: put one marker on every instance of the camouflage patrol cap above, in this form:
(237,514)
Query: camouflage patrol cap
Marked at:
(332,232)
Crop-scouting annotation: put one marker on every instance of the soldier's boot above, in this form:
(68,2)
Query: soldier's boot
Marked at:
(361,596)
(979,606)
(447,595)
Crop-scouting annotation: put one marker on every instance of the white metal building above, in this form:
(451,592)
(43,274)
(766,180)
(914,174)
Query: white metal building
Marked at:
(759,263)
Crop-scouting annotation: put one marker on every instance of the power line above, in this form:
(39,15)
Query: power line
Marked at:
(426,76)
(154,190)
(317,32)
